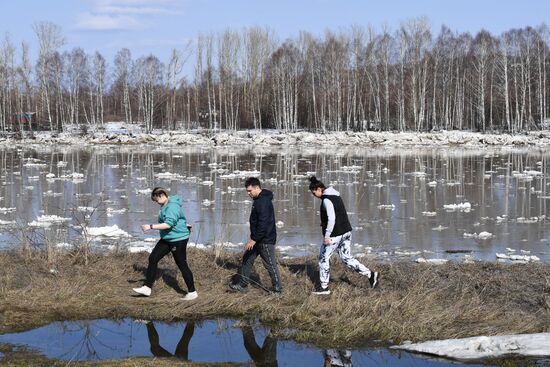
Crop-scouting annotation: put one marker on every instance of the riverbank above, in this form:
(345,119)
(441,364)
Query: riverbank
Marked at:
(414,302)
(124,134)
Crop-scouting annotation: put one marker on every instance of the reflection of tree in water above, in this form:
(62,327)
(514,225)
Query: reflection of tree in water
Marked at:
(92,337)
(182,349)
(266,356)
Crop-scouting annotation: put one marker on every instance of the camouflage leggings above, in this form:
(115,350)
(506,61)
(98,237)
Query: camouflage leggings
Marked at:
(341,244)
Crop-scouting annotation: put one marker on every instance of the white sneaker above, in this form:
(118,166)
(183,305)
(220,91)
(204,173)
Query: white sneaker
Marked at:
(190,296)
(144,291)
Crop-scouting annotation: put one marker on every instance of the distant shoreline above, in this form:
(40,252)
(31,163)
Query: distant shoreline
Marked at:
(535,139)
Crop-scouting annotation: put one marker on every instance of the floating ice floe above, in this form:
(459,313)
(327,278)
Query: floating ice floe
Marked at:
(386,207)
(422,260)
(481,236)
(169,176)
(429,214)
(48,220)
(524,258)
(439,228)
(280,224)
(532,345)
(207,183)
(207,202)
(6,222)
(463,207)
(531,220)
(432,183)
(107,231)
(7,210)
(144,191)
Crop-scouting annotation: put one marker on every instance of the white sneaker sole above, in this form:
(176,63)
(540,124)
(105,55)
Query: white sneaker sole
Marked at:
(190,296)
(142,292)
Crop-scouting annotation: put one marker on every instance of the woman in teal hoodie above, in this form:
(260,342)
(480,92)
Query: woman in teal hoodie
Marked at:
(174,234)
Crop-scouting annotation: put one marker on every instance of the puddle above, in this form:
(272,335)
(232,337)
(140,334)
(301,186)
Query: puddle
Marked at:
(204,341)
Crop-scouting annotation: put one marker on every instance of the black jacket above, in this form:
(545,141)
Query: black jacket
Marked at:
(262,219)
(342,224)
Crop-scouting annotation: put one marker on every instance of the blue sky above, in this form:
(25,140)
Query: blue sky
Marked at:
(157,26)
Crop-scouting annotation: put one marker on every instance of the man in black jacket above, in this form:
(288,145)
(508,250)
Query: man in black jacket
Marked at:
(263,235)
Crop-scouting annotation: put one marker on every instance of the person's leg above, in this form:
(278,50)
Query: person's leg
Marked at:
(179,253)
(182,349)
(249,257)
(344,251)
(324,262)
(269,259)
(153,336)
(161,249)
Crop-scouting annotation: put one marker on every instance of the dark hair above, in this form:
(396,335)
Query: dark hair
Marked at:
(158,191)
(252,181)
(314,184)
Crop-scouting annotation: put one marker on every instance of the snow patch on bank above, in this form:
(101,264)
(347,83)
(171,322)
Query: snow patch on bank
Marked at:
(479,347)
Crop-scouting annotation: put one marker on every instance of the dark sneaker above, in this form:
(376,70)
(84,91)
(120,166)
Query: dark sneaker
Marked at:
(320,290)
(373,279)
(237,287)
(275,293)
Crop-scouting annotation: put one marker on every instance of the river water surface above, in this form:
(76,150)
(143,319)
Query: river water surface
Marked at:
(450,203)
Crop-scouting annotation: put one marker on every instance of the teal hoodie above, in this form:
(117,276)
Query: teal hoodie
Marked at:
(171,213)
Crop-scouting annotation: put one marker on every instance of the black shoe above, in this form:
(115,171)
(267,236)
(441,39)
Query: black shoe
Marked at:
(237,287)
(321,291)
(373,279)
(275,292)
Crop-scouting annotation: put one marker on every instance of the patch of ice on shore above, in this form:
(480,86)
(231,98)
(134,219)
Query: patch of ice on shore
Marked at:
(525,258)
(407,253)
(6,222)
(532,345)
(463,207)
(7,210)
(481,236)
(107,231)
(422,260)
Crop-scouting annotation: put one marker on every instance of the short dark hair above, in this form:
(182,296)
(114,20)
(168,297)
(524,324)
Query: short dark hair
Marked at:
(158,191)
(252,181)
(314,184)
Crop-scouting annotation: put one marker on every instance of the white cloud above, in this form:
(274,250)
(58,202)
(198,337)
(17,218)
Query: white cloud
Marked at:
(89,21)
(133,10)
(124,14)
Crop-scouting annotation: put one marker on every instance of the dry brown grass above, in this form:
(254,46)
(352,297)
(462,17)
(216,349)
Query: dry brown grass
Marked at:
(414,301)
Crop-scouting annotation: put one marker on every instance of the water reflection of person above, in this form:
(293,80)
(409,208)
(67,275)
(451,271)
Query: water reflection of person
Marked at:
(340,358)
(182,349)
(266,356)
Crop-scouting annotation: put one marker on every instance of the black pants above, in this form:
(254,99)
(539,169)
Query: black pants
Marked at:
(179,252)
(267,253)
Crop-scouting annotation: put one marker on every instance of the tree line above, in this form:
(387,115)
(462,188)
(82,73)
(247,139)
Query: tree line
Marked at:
(356,79)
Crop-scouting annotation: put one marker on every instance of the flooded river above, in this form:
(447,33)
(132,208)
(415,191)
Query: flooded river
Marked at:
(444,203)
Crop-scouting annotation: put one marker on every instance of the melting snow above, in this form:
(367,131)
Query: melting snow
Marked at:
(533,345)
